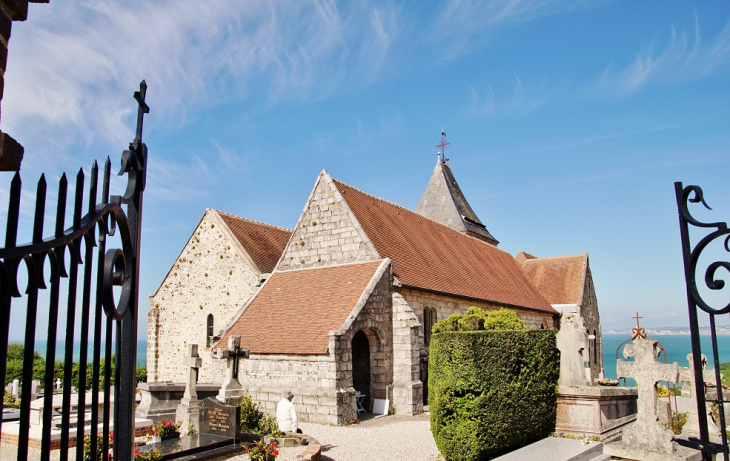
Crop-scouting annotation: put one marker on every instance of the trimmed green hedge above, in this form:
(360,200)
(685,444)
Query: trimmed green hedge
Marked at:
(491,392)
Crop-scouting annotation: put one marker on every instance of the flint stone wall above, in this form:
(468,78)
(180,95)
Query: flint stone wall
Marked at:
(588,310)
(212,275)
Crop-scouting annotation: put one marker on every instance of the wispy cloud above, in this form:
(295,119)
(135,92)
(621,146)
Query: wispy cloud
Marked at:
(465,23)
(683,57)
(72,73)
(518,99)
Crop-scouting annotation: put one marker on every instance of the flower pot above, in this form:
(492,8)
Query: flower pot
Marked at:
(174,435)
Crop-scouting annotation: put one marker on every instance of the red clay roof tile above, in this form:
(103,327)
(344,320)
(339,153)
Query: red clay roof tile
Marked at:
(431,256)
(296,309)
(263,242)
(559,279)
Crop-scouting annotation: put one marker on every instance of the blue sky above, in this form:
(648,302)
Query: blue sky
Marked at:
(568,121)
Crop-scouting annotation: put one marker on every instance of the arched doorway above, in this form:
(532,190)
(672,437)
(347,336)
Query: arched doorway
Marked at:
(361,365)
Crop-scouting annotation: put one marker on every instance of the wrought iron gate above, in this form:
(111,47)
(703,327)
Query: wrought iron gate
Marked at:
(118,320)
(691,255)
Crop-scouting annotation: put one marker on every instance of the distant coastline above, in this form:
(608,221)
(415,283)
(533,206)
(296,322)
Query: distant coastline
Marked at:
(666,331)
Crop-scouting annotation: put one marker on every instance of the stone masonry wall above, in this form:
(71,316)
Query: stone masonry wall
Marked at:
(311,378)
(588,310)
(209,277)
(407,345)
(327,233)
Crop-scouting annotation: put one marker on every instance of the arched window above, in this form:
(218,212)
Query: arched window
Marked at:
(209,330)
(429,319)
(591,352)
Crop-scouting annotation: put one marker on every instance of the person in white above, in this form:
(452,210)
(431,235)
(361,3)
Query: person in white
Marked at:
(286,414)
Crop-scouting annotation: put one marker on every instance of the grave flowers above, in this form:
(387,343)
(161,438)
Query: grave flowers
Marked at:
(262,451)
(167,430)
(151,455)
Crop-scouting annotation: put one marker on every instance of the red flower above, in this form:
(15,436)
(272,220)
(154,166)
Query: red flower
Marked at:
(136,452)
(273,444)
(276,453)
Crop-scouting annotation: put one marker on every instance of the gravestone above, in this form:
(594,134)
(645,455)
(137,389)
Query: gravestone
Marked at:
(58,384)
(9,389)
(35,389)
(692,427)
(232,388)
(219,419)
(16,388)
(189,409)
(646,439)
(572,342)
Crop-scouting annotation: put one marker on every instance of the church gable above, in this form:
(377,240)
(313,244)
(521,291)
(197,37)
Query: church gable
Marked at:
(327,232)
(210,280)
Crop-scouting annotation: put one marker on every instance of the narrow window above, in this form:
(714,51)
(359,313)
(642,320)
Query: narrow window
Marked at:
(595,349)
(209,330)
(429,319)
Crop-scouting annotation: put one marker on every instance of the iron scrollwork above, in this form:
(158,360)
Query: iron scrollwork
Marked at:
(691,255)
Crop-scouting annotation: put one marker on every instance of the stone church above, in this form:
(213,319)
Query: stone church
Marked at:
(345,302)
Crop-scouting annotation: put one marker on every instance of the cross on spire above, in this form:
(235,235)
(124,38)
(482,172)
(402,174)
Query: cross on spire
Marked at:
(143,109)
(442,145)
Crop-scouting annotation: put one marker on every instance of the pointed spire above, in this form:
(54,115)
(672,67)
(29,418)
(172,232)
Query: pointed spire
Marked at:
(444,202)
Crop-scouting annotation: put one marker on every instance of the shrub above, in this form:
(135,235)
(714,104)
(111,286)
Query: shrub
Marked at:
(256,421)
(491,392)
(99,445)
(477,319)
(141,374)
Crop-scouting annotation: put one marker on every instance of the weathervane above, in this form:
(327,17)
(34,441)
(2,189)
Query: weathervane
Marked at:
(442,145)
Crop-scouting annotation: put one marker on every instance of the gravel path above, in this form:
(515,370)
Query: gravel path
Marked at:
(383,438)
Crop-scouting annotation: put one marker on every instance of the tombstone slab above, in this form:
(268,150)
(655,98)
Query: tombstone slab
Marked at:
(692,427)
(218,419)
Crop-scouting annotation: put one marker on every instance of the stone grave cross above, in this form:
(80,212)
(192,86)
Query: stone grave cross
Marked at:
(692,427)
(646,433)
(232,386)
(188,411)
(194,362)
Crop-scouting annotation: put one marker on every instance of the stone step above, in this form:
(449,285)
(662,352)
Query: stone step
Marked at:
(602,457)
(556,449)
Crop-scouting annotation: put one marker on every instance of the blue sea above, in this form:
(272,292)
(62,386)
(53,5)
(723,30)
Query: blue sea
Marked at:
(41,345)
(676,346)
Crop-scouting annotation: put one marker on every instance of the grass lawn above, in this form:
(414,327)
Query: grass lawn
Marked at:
(725,370)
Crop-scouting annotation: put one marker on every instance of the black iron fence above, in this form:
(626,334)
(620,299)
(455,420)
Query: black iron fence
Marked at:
(69,254)
(709,233)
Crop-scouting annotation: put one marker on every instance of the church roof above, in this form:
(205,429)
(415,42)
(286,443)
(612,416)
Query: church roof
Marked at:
(264,243)
(444,202)
(559,279)
(432,256)
(295,310)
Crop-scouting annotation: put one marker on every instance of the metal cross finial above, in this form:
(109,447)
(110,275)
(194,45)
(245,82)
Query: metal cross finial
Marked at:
(442,145)
(143,109)
(637,320)
(638,331)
